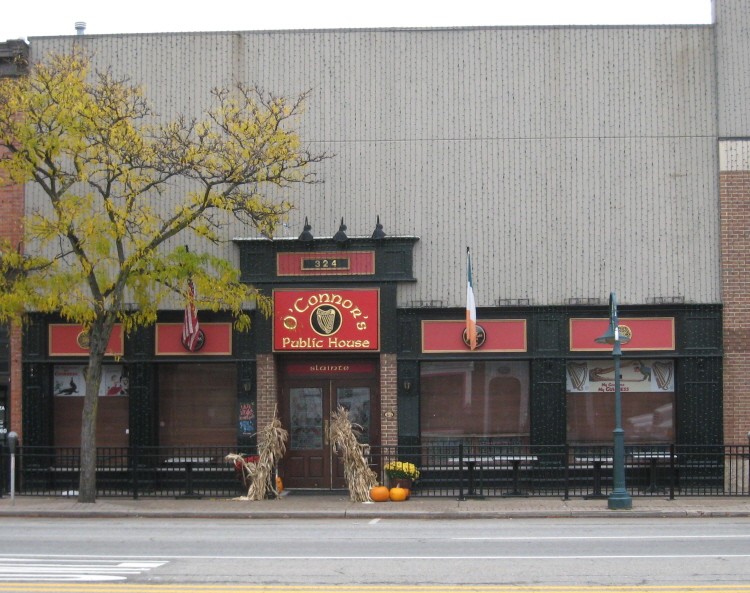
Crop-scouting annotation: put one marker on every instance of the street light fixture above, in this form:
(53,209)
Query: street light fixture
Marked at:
(619,499)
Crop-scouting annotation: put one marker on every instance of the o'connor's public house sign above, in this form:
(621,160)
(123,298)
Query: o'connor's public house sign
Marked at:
(326,320)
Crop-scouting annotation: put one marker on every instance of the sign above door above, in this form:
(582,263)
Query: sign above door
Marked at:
(328,263)
(326,320)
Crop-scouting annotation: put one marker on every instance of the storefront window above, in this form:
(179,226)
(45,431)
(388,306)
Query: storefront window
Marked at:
(69,388)
(647,389)
(197,405)
(460,400)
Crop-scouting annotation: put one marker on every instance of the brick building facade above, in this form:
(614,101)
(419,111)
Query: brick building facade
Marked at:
(734,198)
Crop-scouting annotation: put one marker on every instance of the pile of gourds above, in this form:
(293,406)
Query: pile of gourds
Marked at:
(384,494)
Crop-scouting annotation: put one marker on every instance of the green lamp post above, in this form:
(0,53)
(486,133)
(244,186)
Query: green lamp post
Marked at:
(619,498)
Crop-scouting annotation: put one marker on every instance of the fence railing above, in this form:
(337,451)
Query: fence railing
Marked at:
(133,471)
(461,470)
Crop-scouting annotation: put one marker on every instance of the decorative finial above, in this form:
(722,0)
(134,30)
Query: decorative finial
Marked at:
(306,234)
(340,236)
(378,233)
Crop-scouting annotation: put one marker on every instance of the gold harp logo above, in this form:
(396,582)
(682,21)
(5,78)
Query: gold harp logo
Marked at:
(481,336)
(326,320)
(83,340)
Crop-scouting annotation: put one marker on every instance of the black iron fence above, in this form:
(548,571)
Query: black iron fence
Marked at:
(461,470)
(133,471)
(470,470)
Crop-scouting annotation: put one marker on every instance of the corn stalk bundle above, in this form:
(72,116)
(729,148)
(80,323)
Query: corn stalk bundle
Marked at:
(359,477)
(261,474)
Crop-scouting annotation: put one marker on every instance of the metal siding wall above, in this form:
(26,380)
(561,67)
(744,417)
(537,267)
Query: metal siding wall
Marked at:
(573,160)
(732,19)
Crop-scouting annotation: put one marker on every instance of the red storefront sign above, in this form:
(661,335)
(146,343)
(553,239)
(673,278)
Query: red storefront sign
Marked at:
(326,319)
(328,263)
(325,369)
(69,339)
(500,335)
(647,333)
(218,340)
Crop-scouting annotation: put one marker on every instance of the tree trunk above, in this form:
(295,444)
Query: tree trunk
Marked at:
(99,335)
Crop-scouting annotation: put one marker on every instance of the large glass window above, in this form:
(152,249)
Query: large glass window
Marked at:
(69,387)
(475,399)
(647,390)
(197,404)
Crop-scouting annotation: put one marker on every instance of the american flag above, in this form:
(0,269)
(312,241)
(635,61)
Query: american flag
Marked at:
(191,332)
(471,306)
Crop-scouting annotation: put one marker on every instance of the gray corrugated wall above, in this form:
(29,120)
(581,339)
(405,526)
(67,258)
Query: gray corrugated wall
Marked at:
(573,160)
(732,19)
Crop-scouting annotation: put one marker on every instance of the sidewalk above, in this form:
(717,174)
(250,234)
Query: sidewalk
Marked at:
(338,506)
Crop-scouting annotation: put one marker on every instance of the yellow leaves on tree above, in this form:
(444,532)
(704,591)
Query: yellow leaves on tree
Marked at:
(100,247)
(104,161)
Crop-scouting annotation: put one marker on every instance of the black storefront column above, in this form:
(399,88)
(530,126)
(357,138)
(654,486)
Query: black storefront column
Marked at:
(547,401)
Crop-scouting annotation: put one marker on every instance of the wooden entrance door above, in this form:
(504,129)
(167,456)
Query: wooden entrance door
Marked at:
(307,405)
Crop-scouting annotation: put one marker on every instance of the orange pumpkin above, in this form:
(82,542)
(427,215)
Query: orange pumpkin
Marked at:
(279,485)
(398,494)
(379,494)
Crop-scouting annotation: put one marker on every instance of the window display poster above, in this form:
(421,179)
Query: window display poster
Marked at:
(648,410)
(70,380)
(637,375)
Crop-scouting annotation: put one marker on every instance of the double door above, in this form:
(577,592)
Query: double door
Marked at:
(307,405)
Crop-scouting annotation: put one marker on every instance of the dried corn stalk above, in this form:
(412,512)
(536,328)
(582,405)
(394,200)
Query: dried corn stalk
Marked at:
(358,475)
(261,474)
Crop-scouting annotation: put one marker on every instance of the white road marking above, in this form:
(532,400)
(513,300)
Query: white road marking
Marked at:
(24,568)
(598,537)
(165,558)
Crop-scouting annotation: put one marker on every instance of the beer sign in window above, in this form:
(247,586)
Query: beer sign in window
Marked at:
(647,389)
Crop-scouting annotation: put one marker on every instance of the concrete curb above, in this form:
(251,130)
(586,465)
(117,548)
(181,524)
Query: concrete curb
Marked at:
(369,515)
(340,507)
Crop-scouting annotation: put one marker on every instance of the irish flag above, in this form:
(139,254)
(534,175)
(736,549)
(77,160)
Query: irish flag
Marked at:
(471,306)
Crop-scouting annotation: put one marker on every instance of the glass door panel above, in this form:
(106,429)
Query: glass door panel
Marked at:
(306,418)
(357,401)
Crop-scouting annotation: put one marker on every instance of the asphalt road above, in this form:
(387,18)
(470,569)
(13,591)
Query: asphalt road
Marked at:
(489,555)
